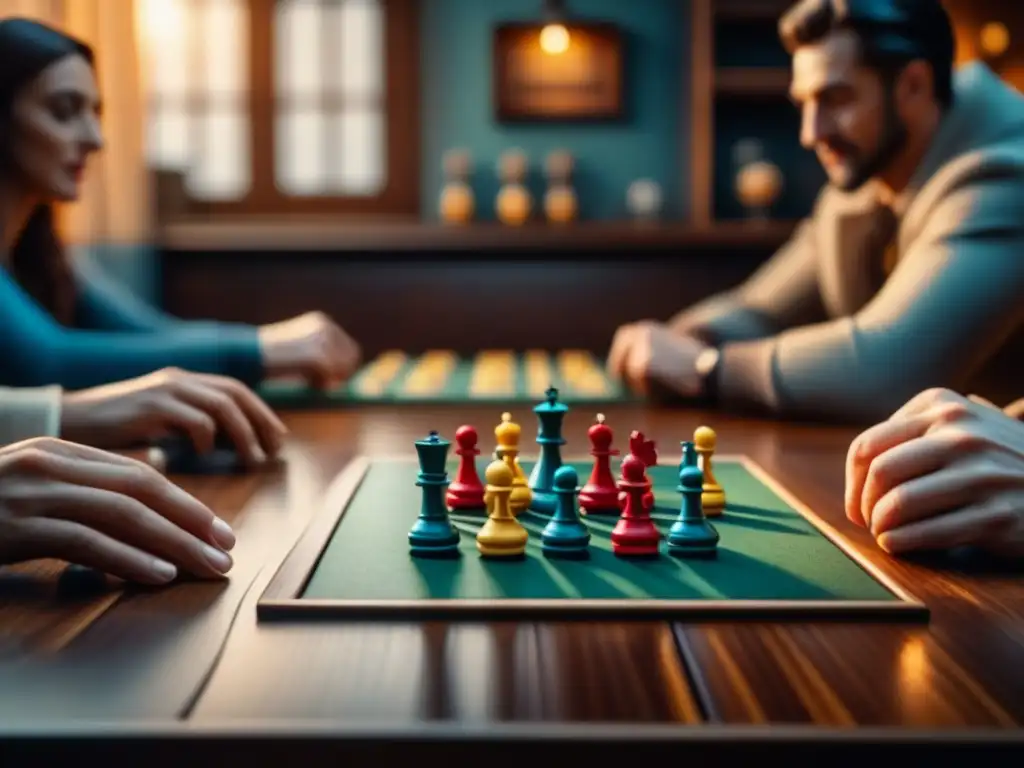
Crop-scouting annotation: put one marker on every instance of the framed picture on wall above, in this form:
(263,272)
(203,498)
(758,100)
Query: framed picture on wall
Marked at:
(575,77)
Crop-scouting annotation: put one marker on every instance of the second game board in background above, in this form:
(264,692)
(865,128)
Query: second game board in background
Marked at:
(442,376)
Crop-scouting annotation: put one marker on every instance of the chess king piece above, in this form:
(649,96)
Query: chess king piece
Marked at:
(560,204)
(565,535)
(433,534)
(635,534)
(691,535)
(550,415)
(507,434)
(713,500)
(514,202)
(502,535)
(457,204)
(599,495)
(466,492)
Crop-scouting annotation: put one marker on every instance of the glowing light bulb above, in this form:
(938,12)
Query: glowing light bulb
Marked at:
(554,39)
(995,38)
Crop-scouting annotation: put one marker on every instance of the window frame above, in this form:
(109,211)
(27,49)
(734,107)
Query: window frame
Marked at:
(400,193)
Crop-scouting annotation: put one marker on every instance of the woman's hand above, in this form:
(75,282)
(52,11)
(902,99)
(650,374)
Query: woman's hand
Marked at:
(169,401)
(97,509)
(312,347)
(943,471)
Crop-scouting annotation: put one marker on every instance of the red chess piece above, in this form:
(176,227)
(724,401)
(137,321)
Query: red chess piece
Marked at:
(600,494)
(647,452)
(466,491)
(635,534)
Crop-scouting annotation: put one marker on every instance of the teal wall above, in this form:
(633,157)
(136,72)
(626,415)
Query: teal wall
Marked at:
(457,106)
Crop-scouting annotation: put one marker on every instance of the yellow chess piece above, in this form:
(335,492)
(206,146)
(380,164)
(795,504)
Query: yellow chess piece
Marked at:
(713,496)
(502,535)
(507,434)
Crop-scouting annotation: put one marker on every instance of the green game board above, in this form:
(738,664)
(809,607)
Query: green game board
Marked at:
(441,377)
(772,561)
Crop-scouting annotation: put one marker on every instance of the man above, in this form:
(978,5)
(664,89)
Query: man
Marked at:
(944,471)
(909,274)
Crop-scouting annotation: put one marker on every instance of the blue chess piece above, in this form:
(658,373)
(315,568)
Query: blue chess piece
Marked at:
(691,535)
(433,534)
(689,454)
(566,535)
(550,415)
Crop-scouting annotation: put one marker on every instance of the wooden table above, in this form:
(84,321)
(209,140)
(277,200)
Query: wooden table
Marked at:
(192,660)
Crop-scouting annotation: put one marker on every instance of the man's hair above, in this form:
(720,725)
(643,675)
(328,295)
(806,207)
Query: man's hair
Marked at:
(892,33)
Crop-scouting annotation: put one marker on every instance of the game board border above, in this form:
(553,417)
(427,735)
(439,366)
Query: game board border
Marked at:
(282,600)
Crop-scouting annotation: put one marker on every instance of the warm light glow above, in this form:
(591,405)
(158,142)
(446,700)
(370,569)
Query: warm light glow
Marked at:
(160,20)
(995,39)
(554,39)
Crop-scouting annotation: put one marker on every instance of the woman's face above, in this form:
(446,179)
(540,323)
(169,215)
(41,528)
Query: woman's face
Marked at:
(56,128)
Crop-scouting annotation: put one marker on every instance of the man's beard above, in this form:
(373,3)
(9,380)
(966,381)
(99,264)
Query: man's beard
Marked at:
(892,143)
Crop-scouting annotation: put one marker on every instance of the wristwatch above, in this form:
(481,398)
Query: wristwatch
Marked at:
(706,366)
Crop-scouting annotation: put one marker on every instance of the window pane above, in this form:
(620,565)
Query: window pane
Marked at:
(299,152)
(361,139)
(360,60)
(225,25)
(297,59)
(164,27)
(220,161)
(167,139)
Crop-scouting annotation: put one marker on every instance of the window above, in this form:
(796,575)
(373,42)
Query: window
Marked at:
(275,106)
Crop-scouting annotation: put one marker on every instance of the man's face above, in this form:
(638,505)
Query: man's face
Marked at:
(849,117)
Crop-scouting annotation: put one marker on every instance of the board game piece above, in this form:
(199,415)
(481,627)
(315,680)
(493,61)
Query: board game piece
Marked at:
(565,535)
(713,500)
(466,492)
(691,535)
(507,434)
(502,535)
(635,534)
(433,534)
(550,415)
(600,495)
(646,451)
(78,581)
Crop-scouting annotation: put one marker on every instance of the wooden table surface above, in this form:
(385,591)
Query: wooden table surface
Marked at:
(192,656)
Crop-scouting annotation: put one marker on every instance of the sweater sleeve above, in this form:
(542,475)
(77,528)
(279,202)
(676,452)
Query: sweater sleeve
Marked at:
(104,304)
(783,293)
(37,351)
(28,413)
(952,301)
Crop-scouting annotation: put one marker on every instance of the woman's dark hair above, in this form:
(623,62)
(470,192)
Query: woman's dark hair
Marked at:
(892,33)
(38,259)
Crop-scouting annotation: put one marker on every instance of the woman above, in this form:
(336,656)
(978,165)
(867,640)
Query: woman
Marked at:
(64,326)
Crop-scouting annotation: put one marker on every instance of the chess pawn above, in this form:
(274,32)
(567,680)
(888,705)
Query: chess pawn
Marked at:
(565,535)
(713,500)
(514,203)
(466,492)
(635,533)
(433,534)
(457,204)
(600,495)
(560,203)
(507,434)
(691,535)
(502,535)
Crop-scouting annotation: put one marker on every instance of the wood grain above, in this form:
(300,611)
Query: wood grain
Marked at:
(196,651)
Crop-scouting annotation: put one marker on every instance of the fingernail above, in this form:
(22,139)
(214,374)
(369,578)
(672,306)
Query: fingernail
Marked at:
(258,454)
(223,534)
(220,561)
(163,571)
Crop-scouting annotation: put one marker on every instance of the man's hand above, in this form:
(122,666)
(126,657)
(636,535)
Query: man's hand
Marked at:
(169,401)
(649,352)
(312,347)
(943,471)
